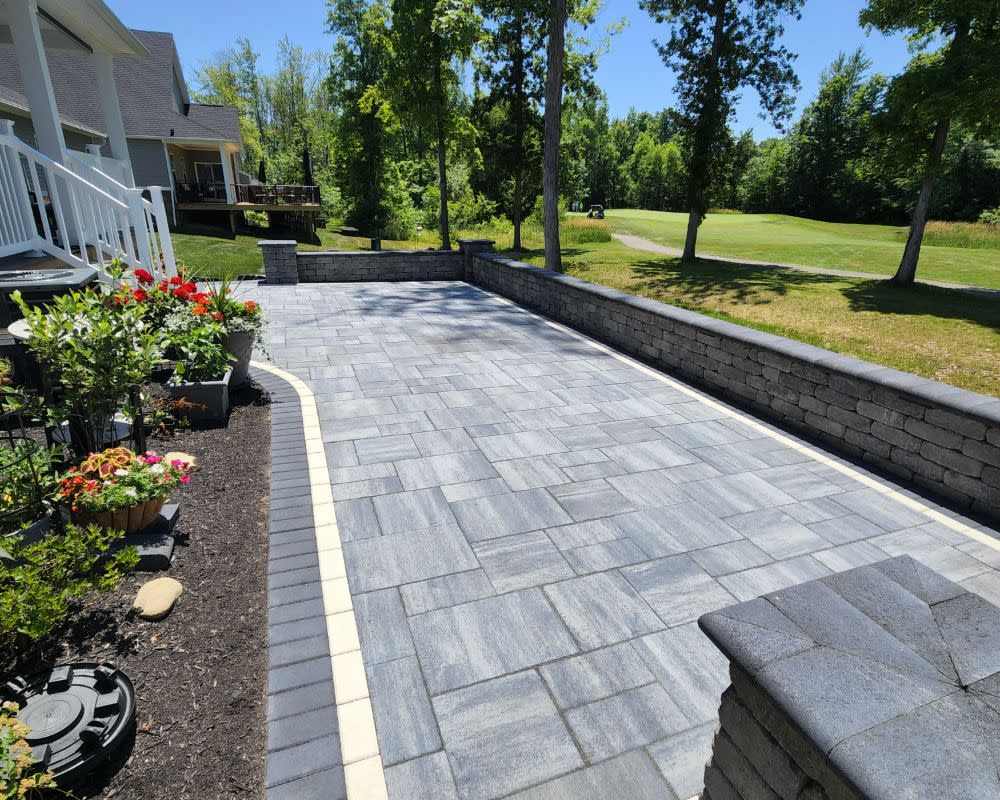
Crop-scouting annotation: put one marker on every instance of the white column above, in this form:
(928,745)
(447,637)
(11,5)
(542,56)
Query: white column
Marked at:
(107,94)
(23,18)
(227,172)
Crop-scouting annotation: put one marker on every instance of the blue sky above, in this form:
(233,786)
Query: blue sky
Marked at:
(631,74)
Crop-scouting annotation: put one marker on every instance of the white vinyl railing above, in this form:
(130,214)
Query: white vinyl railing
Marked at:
(77,213)
(116,169)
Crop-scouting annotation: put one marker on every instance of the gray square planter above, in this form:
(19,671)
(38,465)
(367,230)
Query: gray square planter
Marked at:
(211,398)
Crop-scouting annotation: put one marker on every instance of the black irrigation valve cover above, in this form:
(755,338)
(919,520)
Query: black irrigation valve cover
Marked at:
(79,714)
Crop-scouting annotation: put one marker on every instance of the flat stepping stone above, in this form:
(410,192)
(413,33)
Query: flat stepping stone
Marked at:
(156,598)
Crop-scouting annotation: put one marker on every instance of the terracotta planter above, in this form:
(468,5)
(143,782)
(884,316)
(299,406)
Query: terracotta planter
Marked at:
(129,520)
(240,344)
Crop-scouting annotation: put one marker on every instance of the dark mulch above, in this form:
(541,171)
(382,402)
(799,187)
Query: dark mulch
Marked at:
(199,674)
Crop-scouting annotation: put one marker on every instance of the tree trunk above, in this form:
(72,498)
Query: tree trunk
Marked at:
(703,133)
(691,239)
(553,131)
(519,117)
(907,271)
(516,211)
(442,147)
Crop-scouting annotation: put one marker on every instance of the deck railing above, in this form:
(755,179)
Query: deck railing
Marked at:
(78,214)
(249,193)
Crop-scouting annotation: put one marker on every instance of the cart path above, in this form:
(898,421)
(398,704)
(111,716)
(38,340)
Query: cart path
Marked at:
(649,246)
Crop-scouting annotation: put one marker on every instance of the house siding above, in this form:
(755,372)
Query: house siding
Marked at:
(149,162)
(25,131)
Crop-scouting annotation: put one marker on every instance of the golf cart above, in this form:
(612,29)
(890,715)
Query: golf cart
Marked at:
(596,212)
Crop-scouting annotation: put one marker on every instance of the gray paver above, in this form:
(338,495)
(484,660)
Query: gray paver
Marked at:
(503,514)
(682,758)
(602,609)
(424,778)
(628,777)
(590,500)
(403,718)
(406,557)
(382,627)
(408,511)
(440,470)
(677,588)
(587,678)
(522,560)
(448,590)
(486,638)
(625,721)
(504,735)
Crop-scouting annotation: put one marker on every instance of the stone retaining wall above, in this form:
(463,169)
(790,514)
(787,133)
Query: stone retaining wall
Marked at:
(283,265)
(872,684)
(940,437)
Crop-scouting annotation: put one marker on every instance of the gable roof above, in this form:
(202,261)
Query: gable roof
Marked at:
(147,93)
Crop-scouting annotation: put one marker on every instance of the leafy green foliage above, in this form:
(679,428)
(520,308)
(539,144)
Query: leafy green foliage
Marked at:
(29,477)
(38,588)
(95,355)
(200,353)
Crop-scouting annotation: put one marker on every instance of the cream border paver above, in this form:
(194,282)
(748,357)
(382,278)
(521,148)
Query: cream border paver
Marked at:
(363,771)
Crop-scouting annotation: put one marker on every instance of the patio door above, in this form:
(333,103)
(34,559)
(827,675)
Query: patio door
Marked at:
(211,179)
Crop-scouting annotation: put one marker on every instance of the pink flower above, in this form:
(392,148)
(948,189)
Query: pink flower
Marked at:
(185,479)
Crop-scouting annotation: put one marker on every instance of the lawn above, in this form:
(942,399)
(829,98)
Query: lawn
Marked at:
(794,240)
(942,334)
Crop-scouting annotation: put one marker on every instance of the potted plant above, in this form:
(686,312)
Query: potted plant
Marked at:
(95,354)
(242,321)
(203,372)
(119,489)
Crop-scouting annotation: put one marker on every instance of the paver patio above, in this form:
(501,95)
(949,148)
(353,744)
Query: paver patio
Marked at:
(531,527)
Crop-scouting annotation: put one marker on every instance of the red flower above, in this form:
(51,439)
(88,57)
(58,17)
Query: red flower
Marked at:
(250,306)
(140,295)
(177,280)
(199,310)
(142,276)
(218,316)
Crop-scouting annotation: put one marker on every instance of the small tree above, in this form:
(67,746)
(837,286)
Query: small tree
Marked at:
(955,83)
(717,47)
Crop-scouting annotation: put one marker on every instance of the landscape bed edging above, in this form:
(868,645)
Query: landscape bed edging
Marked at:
(321,736)
(940,437)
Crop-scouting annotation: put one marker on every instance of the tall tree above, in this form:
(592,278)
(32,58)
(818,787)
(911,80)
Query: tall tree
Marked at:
(432,42)
(717,47)
(512,75)
(362,56)
(957,82)
(554,59)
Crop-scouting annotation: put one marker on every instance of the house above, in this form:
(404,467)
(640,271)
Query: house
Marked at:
(192,150)
(78,207)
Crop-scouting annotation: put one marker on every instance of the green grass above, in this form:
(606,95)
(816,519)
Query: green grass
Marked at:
(942,334)
(794,240)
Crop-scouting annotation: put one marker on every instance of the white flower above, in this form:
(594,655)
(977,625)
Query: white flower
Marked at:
(121,472)
(130,491)
(156,469)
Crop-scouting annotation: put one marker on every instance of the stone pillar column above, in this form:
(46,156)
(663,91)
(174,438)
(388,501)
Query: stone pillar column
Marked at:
(280,261)
(468,248)
(876,683)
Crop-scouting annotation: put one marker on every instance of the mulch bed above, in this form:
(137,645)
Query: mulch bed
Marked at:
(199,673)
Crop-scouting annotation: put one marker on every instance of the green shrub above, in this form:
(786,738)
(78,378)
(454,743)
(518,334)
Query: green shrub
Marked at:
(200,354)
(20,777)
(96,354)
(991,216)
(537,214)
(40,581)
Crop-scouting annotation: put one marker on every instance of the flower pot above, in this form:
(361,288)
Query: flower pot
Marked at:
(128,520)
(240,344)
(36,531)
(209,399)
